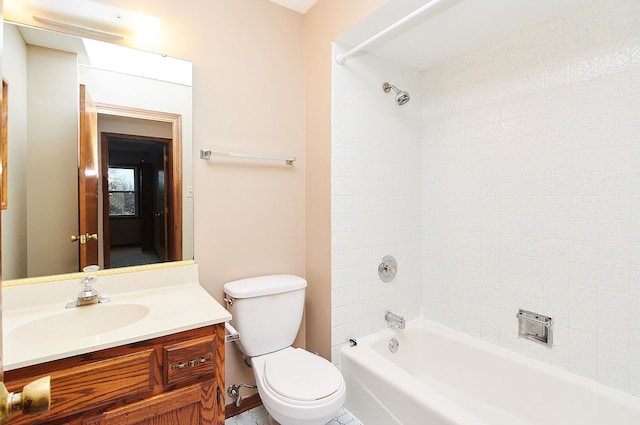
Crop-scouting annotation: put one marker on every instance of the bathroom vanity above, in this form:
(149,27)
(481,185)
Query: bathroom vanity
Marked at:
(154,355)
(173,379)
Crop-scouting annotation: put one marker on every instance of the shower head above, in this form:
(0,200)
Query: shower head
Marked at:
(402,96)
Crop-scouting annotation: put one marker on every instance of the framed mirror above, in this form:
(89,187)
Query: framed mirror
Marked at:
(99,155)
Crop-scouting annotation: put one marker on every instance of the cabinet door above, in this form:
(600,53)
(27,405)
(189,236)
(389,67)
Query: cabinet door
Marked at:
(176,407)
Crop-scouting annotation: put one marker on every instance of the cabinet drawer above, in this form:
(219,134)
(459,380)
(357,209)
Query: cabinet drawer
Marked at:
(96,384)
(189,360)
(176,407)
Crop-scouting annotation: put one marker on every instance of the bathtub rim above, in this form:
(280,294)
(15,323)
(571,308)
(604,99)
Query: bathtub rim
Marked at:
(364,343)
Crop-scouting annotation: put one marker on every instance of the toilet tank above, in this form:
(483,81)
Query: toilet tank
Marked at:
(266,310)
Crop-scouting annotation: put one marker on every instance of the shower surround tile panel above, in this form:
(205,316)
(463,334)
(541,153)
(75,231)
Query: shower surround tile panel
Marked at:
(521,176)
(531,187)
(375,197)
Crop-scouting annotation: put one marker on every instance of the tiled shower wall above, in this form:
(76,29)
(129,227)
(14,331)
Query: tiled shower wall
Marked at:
(375,197)
(531,191)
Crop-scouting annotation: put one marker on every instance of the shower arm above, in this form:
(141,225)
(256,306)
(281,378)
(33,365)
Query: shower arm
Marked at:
(341,58)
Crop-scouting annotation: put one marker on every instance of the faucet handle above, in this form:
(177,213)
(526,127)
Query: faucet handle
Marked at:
(87,295)
(87,282)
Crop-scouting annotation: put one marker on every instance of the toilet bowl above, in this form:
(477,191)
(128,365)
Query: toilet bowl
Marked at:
(298,387)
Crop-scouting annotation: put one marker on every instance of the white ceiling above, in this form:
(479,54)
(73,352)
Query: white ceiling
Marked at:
(451,29)
(300,6)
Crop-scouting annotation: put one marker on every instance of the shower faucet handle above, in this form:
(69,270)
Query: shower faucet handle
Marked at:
(387,268)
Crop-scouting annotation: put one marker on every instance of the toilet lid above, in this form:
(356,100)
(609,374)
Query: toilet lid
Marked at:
(299,375)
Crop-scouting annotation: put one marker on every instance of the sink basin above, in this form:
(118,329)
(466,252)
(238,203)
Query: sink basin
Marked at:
(77,322)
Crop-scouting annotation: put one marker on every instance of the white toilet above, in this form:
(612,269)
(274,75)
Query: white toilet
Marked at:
(296,386)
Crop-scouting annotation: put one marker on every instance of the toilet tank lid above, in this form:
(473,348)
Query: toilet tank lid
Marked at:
(264,285)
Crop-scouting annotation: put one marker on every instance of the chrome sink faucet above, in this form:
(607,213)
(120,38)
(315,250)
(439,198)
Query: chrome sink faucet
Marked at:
(88,294)
(395,319)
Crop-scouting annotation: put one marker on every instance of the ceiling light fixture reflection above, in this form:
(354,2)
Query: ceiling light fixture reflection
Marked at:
(79,28)
(87,17)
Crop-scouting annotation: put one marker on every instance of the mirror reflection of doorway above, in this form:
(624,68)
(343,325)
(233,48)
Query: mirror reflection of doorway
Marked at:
(135,199)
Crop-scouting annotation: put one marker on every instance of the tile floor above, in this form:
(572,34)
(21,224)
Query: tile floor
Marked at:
(259,416)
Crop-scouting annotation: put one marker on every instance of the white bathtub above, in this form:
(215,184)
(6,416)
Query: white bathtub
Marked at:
(439,376)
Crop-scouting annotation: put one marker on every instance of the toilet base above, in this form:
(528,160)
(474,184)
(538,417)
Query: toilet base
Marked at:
(272,421)
(290,421)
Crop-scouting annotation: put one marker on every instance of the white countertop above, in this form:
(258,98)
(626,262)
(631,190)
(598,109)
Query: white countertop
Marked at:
(175,300)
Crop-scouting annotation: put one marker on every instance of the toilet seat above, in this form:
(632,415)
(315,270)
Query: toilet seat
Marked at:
(300,377)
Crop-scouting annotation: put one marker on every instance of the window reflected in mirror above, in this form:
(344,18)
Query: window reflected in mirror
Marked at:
(123,192)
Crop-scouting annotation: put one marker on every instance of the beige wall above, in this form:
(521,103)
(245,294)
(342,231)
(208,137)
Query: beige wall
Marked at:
(322,23)
(52,166)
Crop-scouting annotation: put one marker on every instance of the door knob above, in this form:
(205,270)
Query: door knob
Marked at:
(84,238)
(34,398)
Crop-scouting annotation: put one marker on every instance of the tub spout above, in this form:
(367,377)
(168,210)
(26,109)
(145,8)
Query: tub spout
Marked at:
(395,319)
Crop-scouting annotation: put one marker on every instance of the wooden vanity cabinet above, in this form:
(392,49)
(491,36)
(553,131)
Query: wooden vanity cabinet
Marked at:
(175,379)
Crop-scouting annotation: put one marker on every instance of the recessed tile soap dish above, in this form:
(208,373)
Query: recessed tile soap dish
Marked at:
(536,327)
